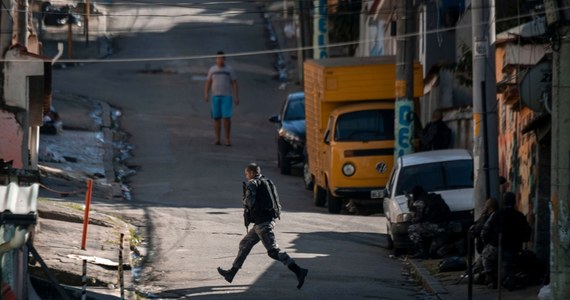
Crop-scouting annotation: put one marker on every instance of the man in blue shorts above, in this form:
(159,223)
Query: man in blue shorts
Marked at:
(221,83)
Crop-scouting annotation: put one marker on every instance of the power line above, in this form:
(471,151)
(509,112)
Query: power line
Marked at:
(237,54)
(250,53)
(249,23)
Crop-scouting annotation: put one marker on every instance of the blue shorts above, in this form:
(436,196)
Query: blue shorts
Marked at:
(221,107)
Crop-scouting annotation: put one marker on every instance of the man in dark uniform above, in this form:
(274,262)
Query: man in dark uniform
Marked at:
(515,230)
(430,218)
(261,204)
(436,135)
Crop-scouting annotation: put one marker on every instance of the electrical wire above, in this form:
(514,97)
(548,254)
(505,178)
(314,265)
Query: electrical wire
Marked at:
(233,11)
(251,23)
(248,53)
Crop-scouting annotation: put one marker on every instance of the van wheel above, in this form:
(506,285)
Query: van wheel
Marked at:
(307,177)
(319,196)
(335,203)
(284,164)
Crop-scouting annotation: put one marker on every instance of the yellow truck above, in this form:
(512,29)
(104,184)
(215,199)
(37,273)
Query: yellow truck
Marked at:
(349,112)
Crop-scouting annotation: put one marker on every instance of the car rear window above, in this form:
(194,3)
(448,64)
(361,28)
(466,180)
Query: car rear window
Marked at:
(367,125)
(448,175)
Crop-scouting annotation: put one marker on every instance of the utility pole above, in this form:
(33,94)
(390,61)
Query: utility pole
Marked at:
(485,135)
(306,27)
(297,17)
(405,43)
(87,15)
(320,29)
(22,30)
(560,169)
(558,19)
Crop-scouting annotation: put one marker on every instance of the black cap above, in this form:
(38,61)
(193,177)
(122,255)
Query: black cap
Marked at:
(417,191)
(509,199)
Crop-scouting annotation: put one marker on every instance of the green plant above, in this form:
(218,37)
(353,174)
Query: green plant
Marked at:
(344,23)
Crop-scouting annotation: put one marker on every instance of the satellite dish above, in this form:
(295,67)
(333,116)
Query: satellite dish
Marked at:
(534,84)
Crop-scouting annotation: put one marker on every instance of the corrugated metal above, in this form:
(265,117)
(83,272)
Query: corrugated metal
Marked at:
(19,199)
(460,121)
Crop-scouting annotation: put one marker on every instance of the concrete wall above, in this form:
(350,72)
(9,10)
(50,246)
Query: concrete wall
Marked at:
(12,138)
(436,43)
(524,160)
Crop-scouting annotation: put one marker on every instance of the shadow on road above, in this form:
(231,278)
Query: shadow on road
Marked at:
(349,265)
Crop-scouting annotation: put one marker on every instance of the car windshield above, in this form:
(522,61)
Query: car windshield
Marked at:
(448,175)
(367,125)
(295,110)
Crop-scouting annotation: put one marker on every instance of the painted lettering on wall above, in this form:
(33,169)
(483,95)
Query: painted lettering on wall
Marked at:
(320,32)
(404,127)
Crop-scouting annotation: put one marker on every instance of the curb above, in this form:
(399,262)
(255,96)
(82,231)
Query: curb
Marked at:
(108,146)
(428,281)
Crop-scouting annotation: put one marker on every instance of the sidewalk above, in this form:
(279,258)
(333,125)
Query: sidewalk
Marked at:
(449,286)
(83,149)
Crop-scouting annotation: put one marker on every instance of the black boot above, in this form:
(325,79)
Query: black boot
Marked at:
(420,254)
(491,280)
(228,274)
(300,273)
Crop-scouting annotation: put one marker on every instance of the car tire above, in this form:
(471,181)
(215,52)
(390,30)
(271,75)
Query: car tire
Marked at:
(284,164)
(307,177)
(390,245)
(398,251)
(334,203)
(319,196)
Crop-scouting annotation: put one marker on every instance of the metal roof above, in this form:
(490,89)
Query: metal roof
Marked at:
(17,199)
(434,156)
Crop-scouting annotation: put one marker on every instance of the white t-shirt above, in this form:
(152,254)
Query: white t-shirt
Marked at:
(222,78)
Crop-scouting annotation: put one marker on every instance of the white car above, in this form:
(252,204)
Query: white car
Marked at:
(445,172)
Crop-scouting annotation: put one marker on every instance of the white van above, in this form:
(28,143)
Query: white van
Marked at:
(445,172)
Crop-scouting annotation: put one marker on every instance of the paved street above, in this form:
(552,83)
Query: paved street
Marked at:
(187,191)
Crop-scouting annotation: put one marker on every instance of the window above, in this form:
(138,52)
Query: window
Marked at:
(368,125)
(295,110)
(438,176)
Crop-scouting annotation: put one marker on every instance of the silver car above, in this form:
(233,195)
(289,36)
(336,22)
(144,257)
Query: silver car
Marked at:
(445,172)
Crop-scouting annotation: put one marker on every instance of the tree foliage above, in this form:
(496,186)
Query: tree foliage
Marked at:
(344,21)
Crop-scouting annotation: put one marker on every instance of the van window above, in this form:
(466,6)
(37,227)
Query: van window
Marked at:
(367,125)
(448,175)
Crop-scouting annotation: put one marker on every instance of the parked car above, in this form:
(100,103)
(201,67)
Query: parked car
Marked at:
(445,172)
(60,15)
(290,132)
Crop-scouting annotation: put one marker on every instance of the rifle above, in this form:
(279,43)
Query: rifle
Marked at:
(246,219)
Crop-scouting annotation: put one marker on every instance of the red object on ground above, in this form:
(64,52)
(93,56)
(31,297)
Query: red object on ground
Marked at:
(7,293)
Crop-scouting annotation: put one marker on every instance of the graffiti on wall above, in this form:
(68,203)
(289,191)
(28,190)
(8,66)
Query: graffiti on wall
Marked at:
(517,155)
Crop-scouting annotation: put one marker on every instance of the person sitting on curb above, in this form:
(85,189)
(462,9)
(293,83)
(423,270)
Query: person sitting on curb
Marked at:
(430,218)
(491,206)
(514,230)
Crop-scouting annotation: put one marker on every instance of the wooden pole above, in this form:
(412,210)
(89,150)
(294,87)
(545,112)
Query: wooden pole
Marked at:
(69,40)
(121,275)
(84,281)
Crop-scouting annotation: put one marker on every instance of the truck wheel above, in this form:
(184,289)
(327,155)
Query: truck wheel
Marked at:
(284,164)
(335,203)
(307,177)
(319,196)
